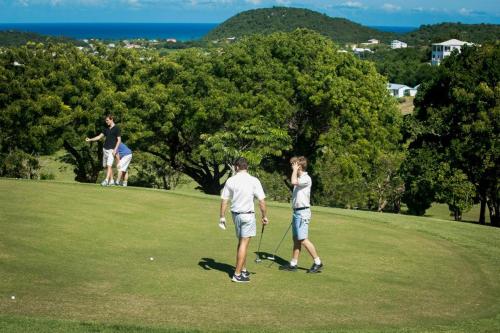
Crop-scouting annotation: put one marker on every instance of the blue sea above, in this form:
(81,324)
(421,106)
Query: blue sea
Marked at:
(117,31)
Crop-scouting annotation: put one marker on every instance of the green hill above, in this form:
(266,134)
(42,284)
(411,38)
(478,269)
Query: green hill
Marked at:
(437,33)
(18,38)
(269,20)
(77,258)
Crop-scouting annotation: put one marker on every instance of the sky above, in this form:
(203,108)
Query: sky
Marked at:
(367,12)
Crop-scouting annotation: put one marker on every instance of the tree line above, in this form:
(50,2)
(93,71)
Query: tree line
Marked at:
(265,98)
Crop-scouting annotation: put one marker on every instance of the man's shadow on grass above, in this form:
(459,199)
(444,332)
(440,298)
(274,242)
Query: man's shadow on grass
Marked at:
(209,264)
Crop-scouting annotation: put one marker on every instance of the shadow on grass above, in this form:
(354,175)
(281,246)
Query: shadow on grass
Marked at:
(279,261)
(210,264)
(266,256)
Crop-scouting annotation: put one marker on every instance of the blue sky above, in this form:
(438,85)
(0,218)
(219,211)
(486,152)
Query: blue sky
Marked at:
(367,12)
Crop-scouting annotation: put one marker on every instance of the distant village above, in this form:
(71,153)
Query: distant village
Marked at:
(439,52)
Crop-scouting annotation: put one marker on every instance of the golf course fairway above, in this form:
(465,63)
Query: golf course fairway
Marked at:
(83,258)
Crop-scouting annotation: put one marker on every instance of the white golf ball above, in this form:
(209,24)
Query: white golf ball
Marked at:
(12,297)
(151,258)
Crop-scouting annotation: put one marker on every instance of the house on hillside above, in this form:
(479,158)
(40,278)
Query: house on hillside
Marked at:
(397,44)
(444,49)
(401,90)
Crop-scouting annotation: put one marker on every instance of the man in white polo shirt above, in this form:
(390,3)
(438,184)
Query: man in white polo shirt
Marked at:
(241,189)
(302,184)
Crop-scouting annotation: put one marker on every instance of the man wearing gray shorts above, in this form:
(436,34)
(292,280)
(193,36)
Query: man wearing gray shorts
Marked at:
(302,184)
(241,189)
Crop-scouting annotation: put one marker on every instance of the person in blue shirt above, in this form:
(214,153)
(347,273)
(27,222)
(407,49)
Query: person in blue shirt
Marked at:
(123,156)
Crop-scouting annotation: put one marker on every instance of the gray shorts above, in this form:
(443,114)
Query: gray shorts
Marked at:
(245,225)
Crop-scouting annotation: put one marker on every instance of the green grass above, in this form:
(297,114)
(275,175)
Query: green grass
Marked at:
(76,257)
(52,165)
(441,211)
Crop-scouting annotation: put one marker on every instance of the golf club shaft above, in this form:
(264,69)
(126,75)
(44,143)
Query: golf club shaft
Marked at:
(279,244)
(260,240)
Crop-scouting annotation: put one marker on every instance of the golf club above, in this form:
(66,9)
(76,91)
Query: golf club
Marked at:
(257,259)
(279,244)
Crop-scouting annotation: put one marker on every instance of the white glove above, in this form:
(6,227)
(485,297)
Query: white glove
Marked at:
(222,223)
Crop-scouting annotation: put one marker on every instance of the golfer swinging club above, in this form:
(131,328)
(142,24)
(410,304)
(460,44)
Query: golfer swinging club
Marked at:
(241,190)
(302,184)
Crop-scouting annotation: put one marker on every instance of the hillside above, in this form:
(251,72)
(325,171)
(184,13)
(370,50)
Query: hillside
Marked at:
(341,30)
(81,258)
(18,38)
(269,20)
(437,33)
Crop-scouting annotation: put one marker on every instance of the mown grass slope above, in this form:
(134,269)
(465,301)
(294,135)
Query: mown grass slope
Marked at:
(77,259)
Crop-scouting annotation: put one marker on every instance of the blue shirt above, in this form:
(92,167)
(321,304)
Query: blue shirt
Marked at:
(123,150)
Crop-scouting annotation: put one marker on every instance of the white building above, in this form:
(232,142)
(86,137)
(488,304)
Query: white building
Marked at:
(373,41)
(359,50)
(401,90)
(444,49)
(397,44)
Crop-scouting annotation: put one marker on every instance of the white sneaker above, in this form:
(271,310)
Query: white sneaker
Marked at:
(112,183)
(104,183)
(124,184)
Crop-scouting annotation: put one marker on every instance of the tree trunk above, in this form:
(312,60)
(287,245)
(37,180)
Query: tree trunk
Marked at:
(482,211)
(494,210)
(209,183)
(81,173)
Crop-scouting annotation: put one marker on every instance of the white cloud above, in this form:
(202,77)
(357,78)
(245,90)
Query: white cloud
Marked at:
(389,7)
(353,4)
(23,3)
(132,3)
(254,2)
(464,11)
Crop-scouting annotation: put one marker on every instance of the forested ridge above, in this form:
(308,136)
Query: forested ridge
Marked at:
(341,30)
(18,38)
(269,20)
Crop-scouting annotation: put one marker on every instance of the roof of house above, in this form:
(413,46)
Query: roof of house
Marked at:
(395,86)
(453,42)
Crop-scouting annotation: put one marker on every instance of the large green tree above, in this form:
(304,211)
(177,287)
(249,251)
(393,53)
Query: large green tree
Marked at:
(457,120)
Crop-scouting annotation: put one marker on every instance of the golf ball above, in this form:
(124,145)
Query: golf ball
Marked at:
(151,258)
(12,297)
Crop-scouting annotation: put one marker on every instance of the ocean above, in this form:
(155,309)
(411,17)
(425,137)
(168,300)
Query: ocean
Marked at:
(117,31)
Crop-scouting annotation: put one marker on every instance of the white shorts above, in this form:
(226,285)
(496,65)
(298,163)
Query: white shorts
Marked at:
(124,162)
(107,157)
(244,225)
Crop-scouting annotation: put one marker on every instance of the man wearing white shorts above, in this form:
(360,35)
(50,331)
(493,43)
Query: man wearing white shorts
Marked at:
(241,189)
(302,184)
(123,156)
(113,139)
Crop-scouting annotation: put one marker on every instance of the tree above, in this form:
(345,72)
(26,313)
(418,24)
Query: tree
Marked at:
(457,120)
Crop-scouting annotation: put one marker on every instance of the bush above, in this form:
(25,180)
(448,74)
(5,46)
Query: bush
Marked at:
(274,186)
(18,164)
(47,176)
